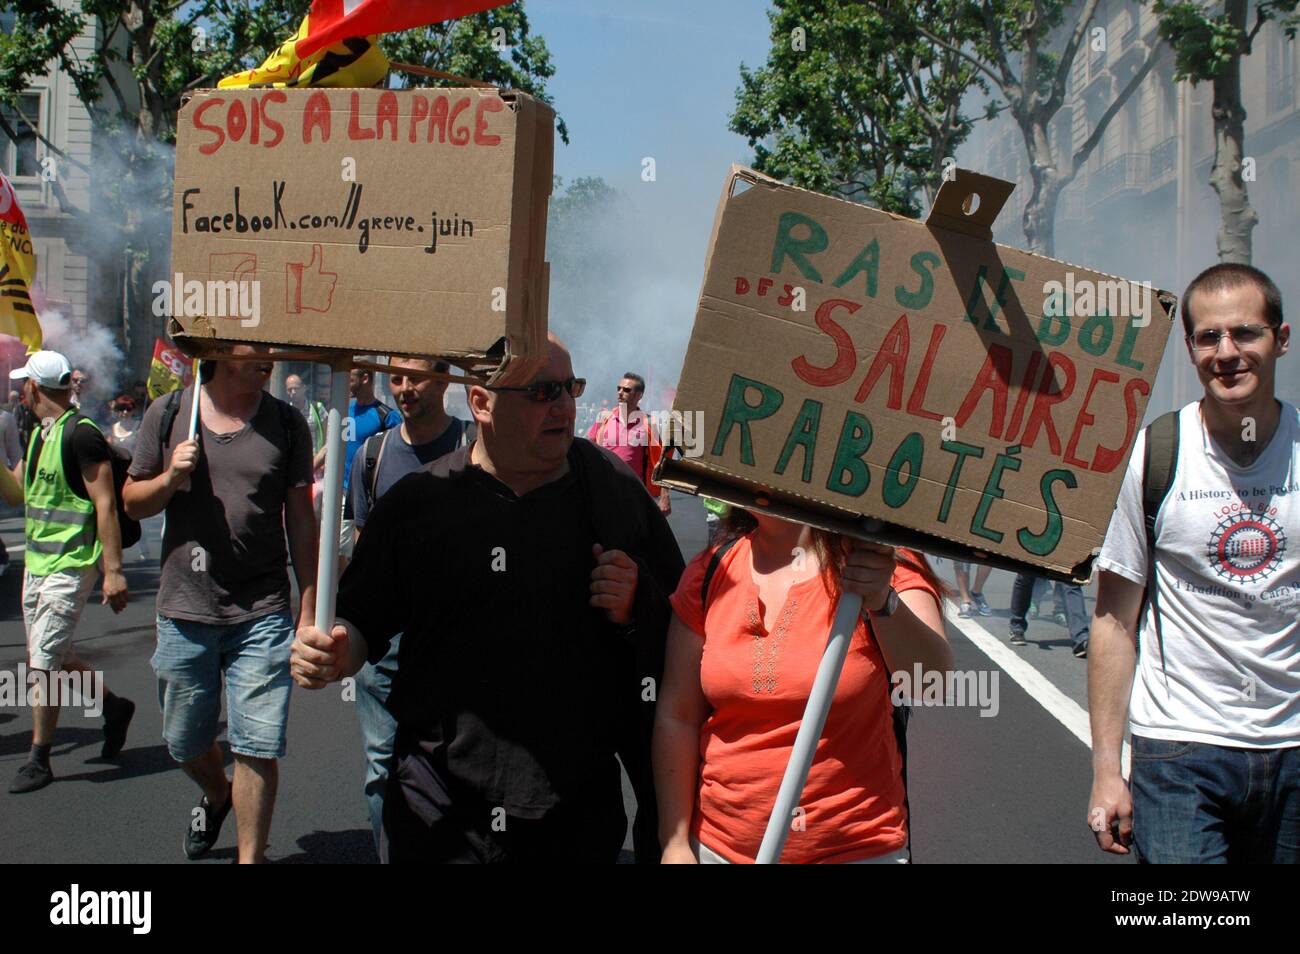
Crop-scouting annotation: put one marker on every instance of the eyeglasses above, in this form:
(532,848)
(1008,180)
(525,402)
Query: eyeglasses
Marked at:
(1242,336)
(621,389)
(544,392)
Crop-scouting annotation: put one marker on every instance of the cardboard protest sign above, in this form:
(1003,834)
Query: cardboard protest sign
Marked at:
(365,220)
(850,363)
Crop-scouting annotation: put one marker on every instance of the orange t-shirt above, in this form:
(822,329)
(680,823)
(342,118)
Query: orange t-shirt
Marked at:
(757,684)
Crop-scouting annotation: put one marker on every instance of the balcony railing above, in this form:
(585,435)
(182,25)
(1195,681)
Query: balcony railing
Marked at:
(1096,62)
(1123,173)
(1164,156)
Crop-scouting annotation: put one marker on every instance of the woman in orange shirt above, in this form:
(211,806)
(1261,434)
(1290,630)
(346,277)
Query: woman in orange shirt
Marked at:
(737,678)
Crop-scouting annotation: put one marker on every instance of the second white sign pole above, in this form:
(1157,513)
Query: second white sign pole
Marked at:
(331,505)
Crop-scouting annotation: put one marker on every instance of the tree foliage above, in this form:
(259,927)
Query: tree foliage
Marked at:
(852,103)
(1026,50)
(1205,39)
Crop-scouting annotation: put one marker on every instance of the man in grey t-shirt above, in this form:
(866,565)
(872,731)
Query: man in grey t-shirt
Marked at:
(223,597)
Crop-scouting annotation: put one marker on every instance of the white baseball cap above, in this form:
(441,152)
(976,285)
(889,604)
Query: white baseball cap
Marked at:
(49,369)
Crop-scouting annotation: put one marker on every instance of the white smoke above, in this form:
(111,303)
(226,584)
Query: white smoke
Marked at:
(89,347)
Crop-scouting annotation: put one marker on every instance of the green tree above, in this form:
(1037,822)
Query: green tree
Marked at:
(148,54)
(1026,49)
(852,103)
(1209,42)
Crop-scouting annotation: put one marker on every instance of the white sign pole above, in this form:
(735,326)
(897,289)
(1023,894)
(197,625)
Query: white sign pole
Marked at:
(810,728)
(194,409)
(331,508)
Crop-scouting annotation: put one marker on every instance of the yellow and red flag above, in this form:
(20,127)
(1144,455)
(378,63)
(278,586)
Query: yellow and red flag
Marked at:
(333,20)
(335,44)
(169,371)
(17,272)
(351,62)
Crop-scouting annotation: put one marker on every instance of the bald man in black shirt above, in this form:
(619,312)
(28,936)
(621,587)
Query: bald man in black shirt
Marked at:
(529,575)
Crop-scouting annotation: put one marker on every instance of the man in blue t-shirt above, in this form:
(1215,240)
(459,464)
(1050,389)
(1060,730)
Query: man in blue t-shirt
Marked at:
(427,432)
(367,416)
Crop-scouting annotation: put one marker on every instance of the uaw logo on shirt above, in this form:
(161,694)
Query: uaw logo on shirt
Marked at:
(1246,546)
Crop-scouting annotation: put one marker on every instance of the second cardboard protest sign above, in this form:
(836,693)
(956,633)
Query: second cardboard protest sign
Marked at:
(854,363)
(369,221)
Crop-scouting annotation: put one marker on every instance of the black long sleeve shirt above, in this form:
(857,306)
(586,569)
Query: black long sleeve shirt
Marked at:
(511,682)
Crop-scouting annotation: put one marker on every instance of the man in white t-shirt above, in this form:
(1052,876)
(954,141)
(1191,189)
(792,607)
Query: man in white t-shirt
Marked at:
(1214,710)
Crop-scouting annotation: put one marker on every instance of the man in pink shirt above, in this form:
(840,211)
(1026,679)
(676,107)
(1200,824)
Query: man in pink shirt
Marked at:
(627,432)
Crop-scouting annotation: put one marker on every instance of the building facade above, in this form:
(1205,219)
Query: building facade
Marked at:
(1142,206)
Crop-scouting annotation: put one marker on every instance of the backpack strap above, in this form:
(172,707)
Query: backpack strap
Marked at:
(373,449)
(385,415)
(171,407)
(286,421)
(714,562)
(1159,467)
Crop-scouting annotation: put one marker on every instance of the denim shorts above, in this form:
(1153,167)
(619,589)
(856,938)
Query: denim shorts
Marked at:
(1198,803)
(252,657)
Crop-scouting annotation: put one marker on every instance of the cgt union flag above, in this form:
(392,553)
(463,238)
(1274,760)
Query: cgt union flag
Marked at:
(169,371)
(335,20)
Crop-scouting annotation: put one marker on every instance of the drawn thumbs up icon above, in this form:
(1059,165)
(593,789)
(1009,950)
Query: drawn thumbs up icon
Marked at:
(307,286)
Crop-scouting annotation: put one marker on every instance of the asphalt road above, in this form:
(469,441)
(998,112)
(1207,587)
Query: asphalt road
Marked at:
(1008,787)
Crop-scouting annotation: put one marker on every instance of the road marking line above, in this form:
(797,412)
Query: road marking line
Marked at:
(1041,689)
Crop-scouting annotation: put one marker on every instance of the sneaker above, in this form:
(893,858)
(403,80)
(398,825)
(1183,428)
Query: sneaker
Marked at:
(1033,611)
(115,726)
(1059,618)
(199,842)
(967,611)
(1081,651)
(1017,638)
(29,778)
(982,604)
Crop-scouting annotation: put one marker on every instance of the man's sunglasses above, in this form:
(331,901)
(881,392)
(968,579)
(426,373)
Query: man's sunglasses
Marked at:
(544,392)
(1242,336)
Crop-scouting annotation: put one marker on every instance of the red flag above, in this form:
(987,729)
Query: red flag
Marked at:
(333,20)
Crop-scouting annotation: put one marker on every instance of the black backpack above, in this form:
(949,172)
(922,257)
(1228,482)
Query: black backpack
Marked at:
(900,713)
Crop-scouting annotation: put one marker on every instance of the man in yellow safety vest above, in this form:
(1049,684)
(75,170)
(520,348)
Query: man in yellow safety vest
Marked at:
(66,483)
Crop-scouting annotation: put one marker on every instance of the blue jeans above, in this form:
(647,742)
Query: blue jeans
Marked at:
(378,729)
(1196,803)
(253,658)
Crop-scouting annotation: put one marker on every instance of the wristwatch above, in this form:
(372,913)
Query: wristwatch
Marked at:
(890,607)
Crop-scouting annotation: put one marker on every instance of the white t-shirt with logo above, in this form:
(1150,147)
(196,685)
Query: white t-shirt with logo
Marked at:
(1228,591)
